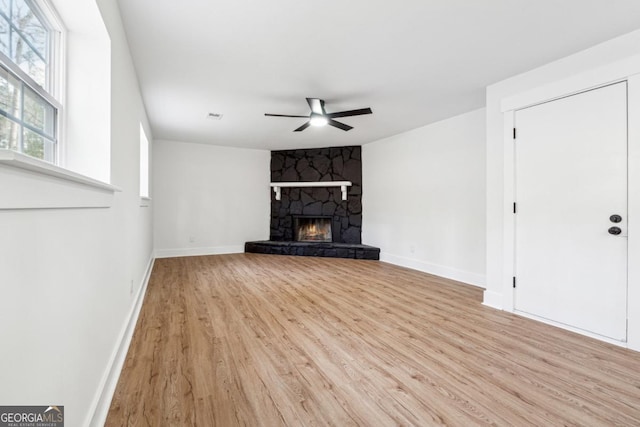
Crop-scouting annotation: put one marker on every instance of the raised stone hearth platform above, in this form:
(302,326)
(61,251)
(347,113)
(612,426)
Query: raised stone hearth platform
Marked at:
(332,250)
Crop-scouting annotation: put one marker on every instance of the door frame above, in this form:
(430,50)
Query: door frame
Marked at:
(552,92)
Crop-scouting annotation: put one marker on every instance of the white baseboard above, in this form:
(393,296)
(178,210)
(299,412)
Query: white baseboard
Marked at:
(572,329)
(492,299)
(438,270)
(216,250)
(102,402)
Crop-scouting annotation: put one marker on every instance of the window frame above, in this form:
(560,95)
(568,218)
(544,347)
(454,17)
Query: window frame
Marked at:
(53,92)
(144,164)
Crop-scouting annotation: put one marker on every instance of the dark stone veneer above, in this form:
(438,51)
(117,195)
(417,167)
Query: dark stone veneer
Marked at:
(333,250)
(322,164)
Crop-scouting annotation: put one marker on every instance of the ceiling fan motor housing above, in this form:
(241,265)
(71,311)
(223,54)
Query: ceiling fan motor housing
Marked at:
(319,117)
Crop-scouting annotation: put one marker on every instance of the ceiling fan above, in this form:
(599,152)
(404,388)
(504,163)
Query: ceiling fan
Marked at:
(319,117)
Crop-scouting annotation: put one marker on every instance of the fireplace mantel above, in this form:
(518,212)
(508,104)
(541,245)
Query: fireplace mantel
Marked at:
(342,184)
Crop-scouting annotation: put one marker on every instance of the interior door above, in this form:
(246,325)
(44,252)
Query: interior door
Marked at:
(571,194)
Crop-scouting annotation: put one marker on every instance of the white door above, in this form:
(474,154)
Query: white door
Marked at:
(571,177)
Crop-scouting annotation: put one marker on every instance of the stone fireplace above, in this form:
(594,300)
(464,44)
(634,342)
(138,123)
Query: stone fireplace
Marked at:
(317,165)
(312,228)
(312,218)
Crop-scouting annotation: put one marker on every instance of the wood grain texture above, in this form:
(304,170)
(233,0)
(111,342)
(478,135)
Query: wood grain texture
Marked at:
(264,340)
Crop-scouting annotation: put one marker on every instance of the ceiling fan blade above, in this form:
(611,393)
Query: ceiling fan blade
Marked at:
(283,115)
(303,127)
(316,105)
(339,125)
(358,112)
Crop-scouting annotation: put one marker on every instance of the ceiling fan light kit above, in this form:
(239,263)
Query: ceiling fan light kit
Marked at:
(318,120)
(319,117)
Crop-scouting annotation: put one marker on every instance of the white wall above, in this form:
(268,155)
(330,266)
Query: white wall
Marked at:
(87,142)
(69,277)
(209,199)
(424,198)
(610,61)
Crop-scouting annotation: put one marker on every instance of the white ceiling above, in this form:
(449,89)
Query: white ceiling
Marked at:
(413,62)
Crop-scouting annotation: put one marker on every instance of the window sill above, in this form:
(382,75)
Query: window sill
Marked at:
(30,183)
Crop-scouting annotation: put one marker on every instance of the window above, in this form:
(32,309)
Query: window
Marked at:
(144,163)
(28,110)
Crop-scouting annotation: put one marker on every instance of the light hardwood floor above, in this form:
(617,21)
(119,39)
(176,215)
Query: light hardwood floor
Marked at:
(265,340)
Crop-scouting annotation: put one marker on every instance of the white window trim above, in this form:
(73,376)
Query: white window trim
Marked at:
(57,71)
(145,168)
(28,80)
(145,151)
(56,47)
(14,159)
(31,183)
(55,76)
(35,184)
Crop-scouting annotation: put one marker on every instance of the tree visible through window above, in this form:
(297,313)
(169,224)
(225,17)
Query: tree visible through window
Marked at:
(28,112)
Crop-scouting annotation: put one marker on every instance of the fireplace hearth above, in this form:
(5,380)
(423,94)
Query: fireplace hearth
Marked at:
(331,250)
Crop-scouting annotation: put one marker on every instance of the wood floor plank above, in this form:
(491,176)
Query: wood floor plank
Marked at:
(264,340)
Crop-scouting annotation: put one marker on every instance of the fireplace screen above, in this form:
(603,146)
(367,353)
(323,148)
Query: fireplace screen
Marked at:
(312,229)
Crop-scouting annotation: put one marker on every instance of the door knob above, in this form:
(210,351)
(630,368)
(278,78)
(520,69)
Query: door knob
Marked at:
(615,219)
(615,231)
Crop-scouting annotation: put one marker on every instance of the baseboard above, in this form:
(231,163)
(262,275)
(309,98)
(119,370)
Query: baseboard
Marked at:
(216,250)
(492,299)
(579,331)
(469,278)
(100,408)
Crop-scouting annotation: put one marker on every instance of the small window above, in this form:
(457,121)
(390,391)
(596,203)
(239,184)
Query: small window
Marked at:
(28,111)
(144,163)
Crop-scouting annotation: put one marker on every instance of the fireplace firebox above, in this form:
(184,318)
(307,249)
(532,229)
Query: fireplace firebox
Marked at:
(312,228)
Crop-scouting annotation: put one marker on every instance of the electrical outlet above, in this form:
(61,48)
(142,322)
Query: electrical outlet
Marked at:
(412,249)
(192,239)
